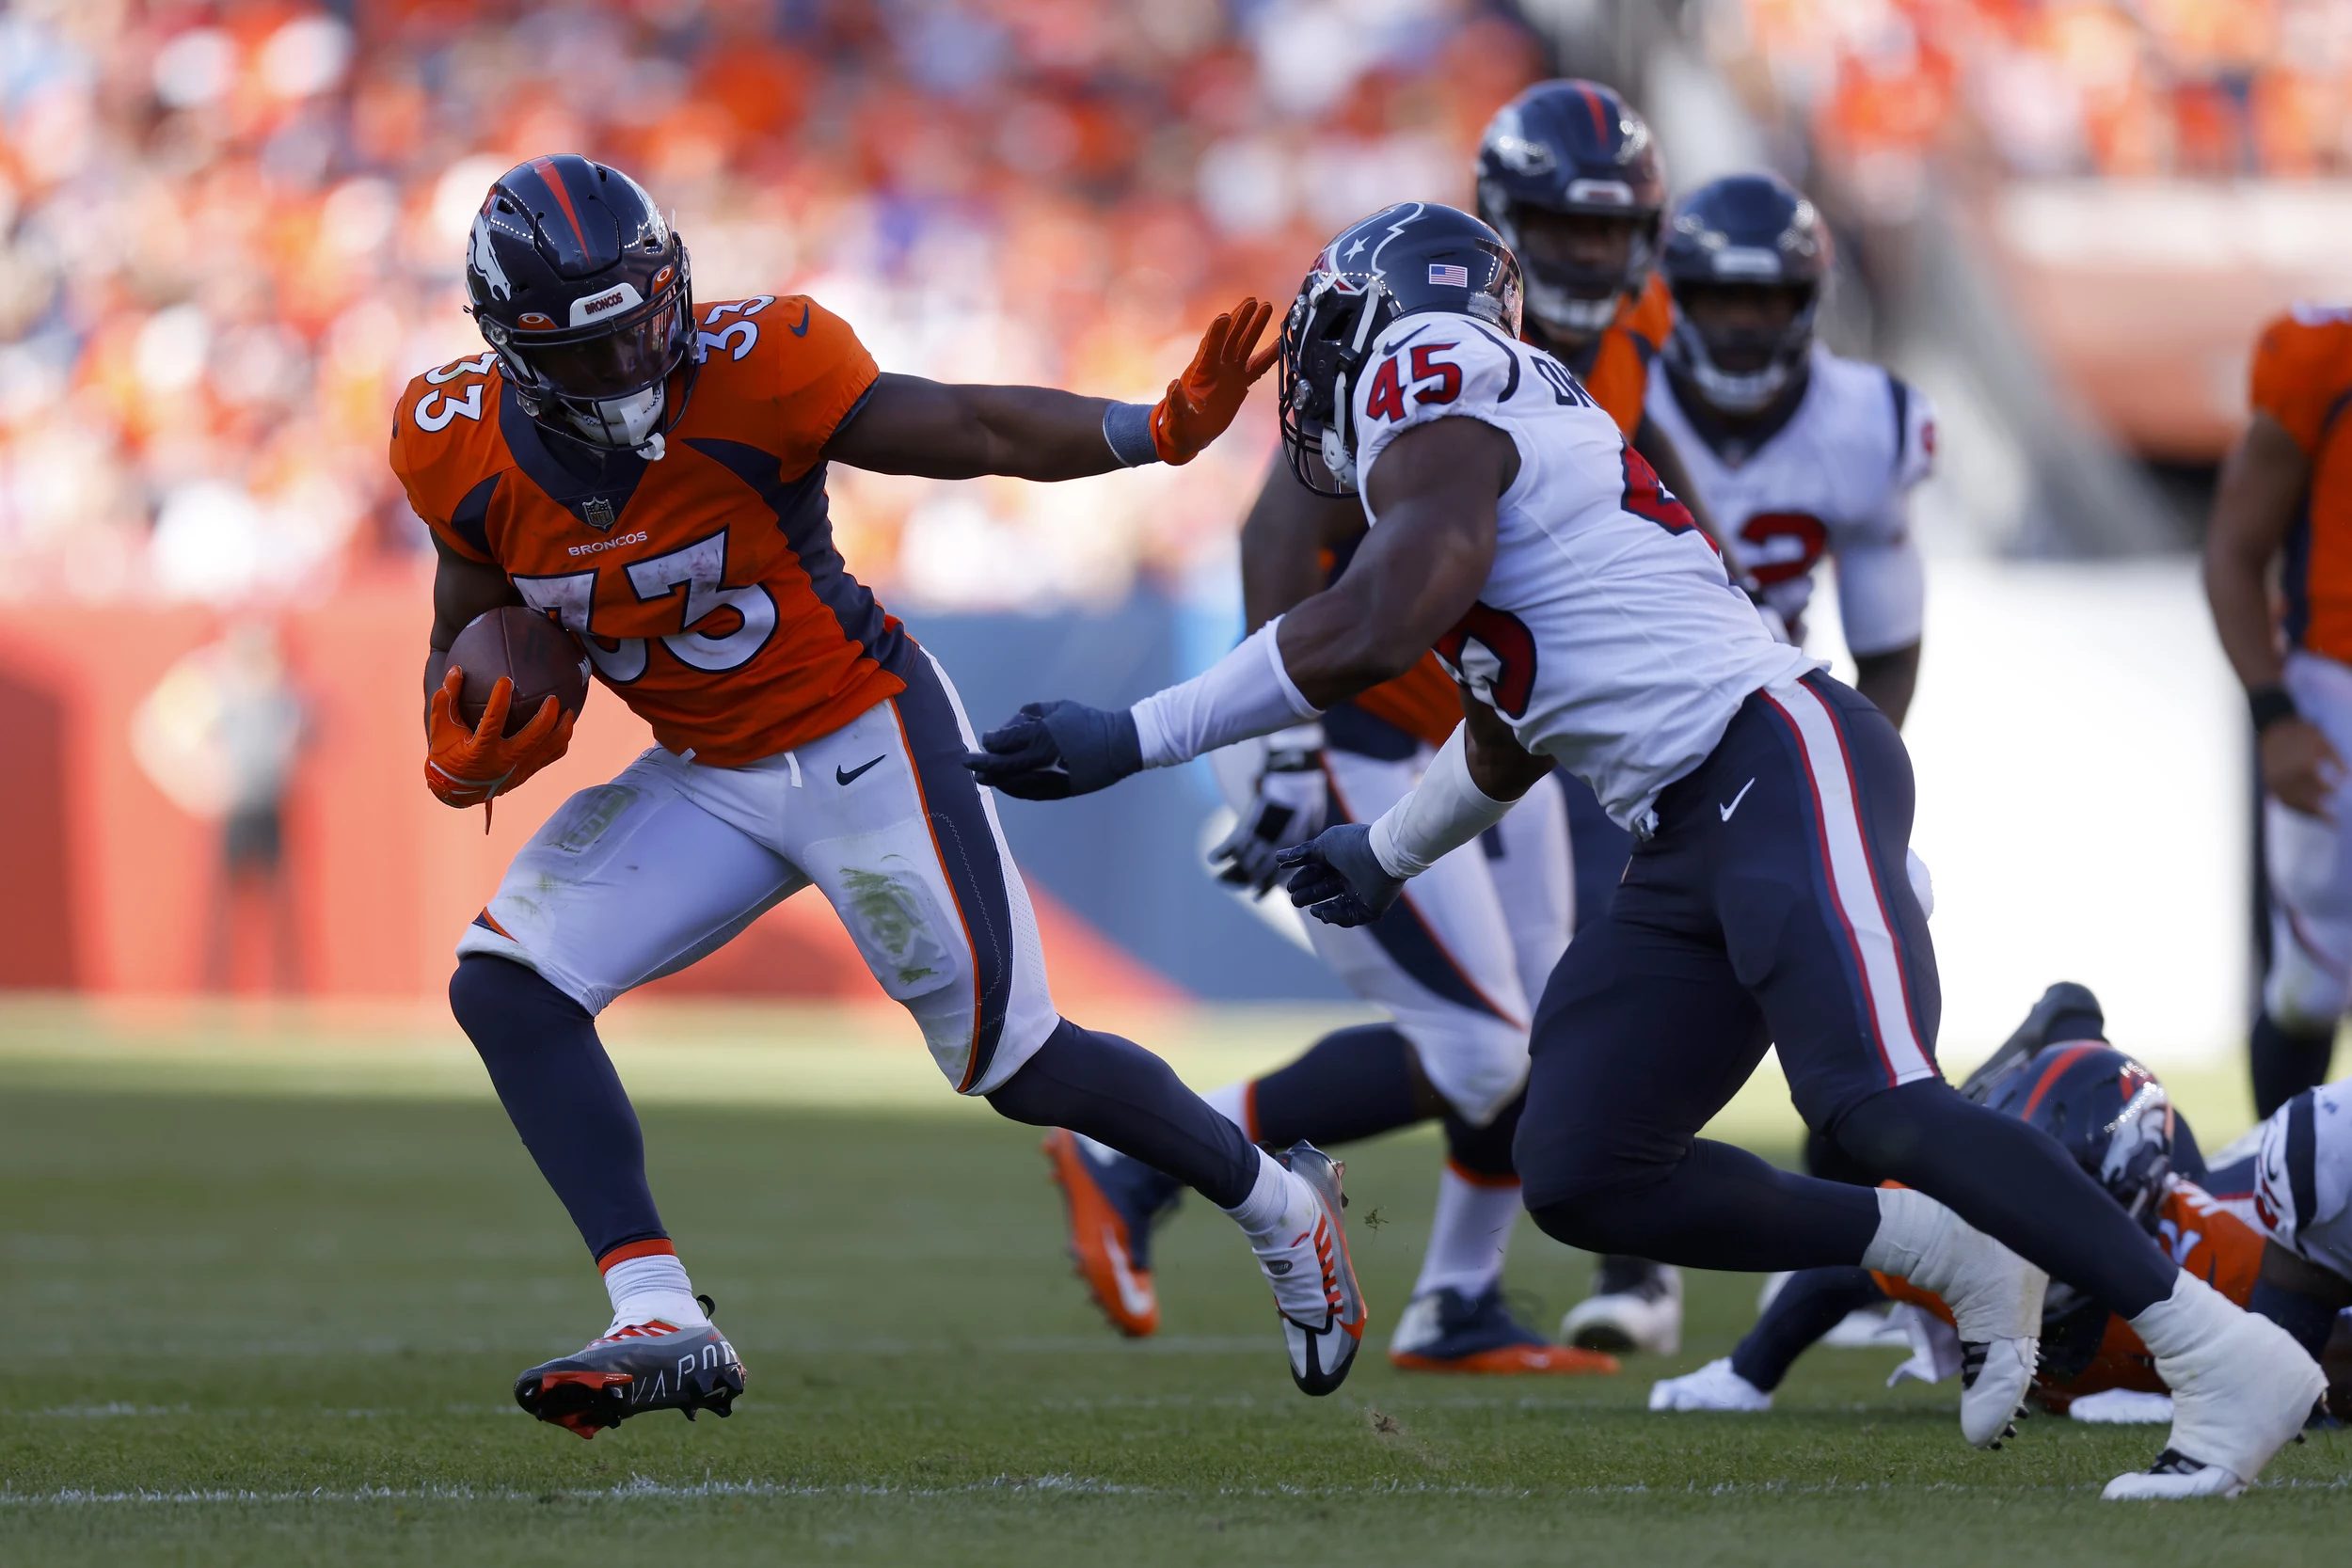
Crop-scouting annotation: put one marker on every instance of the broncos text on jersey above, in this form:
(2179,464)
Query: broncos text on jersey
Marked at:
(705,585)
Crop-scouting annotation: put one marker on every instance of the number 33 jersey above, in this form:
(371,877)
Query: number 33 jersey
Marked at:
(1607,634)
(705,585)
(1836,476)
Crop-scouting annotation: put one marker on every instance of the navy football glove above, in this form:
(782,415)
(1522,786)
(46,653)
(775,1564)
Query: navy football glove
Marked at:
(1052,750)
(1335,877)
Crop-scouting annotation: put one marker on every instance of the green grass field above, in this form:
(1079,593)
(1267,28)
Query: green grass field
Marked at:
(264,1324)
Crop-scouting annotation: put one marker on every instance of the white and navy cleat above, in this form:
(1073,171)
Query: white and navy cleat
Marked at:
(2241,1389)
(1635,1306)
(1306,1261)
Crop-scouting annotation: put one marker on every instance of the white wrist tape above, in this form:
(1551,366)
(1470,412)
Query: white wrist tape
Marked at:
(1444,812)
(1246,692)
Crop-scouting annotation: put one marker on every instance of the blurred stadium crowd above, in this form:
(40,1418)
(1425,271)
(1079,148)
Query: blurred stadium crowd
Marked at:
(2113,89)
(233,230)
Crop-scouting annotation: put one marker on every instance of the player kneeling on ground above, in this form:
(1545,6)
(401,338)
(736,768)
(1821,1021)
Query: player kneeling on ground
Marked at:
(649,473)
(1767,898)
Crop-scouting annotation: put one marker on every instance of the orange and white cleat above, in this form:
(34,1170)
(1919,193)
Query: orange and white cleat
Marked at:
(1445,1331)
(648,1366)
(1113,1201)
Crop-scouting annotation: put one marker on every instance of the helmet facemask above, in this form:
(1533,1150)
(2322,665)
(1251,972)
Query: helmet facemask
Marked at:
(605,380)
(1325,339)
(1742,369)
(1571,299)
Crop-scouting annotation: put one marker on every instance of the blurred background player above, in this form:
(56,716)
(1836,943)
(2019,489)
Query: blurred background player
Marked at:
(1571,175)
(1797,452)
(654,479)
(2284,502)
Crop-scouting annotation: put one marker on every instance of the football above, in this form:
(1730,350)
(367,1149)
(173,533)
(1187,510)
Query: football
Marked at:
(543,659)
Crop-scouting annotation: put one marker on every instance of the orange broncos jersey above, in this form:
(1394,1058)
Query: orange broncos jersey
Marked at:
(2197,1233)
(1424,701)
(705,586)
(2302,378)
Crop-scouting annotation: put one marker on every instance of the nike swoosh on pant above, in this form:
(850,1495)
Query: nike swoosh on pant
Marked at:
(850,775)
(1736,799)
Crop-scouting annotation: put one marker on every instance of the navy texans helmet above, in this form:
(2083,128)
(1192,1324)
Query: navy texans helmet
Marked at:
(1404,260)
(1573,147)
(1744,230)
(2107,1111)
(584,293)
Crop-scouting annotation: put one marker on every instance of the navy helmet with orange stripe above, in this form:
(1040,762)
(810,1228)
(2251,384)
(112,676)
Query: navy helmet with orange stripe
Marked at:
(2105,1109)
(584,293)
(1575,149)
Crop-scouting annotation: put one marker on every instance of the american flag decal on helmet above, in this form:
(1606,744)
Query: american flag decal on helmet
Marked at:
(1449,274)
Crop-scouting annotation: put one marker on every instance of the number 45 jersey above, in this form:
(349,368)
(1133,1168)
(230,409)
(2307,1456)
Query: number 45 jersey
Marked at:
(1836,476)
(1607,634)
(705,585)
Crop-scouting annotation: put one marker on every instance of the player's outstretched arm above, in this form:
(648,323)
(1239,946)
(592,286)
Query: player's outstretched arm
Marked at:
(1433,490)
(912,426)
(2263,481)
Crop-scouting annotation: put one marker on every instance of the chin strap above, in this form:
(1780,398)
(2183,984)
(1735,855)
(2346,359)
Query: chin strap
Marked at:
(654,447)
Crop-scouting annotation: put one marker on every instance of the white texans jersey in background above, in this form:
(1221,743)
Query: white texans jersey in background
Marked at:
(1607,634)
(1836,479)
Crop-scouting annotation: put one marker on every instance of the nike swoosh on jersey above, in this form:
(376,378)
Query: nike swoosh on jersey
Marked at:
(1725,810)
(852,775)
(802,330)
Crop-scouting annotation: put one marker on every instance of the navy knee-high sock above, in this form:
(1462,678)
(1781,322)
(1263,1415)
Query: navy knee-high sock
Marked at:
(2009,1181)
(1809,1305)
(1718,1207)
(1349,1084)
(2286,1063)
(1118,1093)
(563,1096)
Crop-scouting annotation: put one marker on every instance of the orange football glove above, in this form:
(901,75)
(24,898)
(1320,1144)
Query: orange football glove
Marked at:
(468,768)
(1203,402)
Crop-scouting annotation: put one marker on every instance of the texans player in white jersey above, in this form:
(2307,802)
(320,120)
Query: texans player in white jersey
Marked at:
(1797,452)
(1591,625)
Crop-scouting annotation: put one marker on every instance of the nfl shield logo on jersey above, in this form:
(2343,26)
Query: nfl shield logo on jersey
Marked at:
(596,513)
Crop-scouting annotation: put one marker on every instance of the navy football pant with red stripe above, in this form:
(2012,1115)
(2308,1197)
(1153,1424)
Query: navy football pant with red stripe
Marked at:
(1772,906)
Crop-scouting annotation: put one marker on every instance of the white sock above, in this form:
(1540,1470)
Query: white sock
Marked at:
(1269,1199)
(1470,1236)
(1910,1224)
(1233,1103)
(650,1287)
(2191,1315)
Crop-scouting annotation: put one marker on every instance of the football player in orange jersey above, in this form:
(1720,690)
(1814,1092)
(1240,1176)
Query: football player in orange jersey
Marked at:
(1569,175)
(2285,500)
(649,471)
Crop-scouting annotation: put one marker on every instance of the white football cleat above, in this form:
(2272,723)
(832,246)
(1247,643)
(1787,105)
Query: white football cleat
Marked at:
(2241,1389)
(1713,1386)
(1636,1304)
(1304,1259)
(1996,1297)
(1867,1328)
